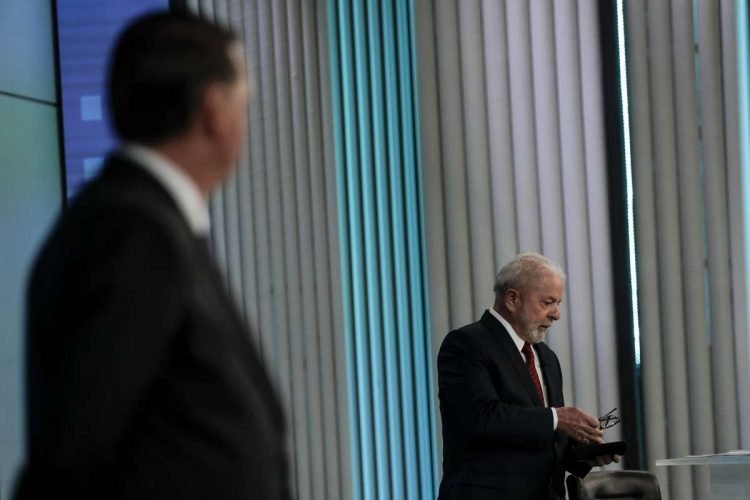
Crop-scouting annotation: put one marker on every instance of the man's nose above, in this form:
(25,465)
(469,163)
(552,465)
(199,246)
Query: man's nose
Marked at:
(555,312)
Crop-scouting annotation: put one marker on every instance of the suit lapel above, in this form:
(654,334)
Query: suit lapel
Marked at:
(508,347)
(547,362)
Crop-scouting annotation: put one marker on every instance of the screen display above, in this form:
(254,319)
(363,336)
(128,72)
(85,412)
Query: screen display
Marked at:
(86,31)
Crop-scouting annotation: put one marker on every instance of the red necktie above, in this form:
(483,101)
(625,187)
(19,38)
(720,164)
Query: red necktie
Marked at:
(529,353)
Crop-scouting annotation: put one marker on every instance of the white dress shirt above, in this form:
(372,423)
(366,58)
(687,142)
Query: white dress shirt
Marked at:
(519,345)
(183,190)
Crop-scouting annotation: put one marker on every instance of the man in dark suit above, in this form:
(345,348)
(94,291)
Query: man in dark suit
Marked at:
(142,380)
(506,431)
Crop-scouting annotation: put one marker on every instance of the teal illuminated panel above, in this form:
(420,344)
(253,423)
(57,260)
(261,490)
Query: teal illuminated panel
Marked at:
(383,263)
(30,198)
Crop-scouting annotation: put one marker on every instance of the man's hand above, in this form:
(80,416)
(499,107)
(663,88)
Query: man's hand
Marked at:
(602,460)
(579,425)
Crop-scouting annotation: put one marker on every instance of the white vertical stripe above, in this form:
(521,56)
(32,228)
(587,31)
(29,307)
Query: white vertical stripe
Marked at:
(452,144)
(602,287)
(499,129)
(717,230)
(550,158)
(646,236)
(693,263)
(674,366)
(477,149)
(432,172)
(522,114)
(730,18)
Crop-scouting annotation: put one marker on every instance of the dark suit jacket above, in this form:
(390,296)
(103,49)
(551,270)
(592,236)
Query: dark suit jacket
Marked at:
(142,382)
(498,441)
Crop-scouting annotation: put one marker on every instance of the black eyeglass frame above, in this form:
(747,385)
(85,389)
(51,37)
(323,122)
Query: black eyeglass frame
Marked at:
(609,419)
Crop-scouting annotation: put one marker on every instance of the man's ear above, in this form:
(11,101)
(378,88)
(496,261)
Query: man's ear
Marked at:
(511,299)
(212,109)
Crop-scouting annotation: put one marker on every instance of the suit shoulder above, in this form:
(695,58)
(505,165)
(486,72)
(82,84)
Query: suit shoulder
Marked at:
(467,336)
(547,353)
(543,348)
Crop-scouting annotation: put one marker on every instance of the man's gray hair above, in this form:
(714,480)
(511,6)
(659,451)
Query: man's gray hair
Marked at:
(523,271)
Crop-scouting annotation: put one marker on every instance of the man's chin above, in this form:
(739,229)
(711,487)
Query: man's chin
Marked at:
(537,335)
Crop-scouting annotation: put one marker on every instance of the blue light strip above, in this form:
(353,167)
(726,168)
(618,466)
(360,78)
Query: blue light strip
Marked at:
(419,324)
(371,334)
(386,142)
(622,56)
(743,84)
(340,62)
(383,267)
(430,477)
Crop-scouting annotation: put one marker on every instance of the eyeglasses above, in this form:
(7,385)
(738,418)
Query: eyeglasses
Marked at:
(609,419)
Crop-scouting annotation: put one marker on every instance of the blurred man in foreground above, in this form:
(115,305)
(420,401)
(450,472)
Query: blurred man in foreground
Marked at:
(506,431)
(142,381)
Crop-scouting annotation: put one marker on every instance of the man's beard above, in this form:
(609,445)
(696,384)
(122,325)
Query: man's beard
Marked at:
(536,334)
(535,331)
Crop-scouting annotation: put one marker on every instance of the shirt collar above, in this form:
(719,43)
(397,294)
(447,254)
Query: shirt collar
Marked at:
(179,185)
(513,335)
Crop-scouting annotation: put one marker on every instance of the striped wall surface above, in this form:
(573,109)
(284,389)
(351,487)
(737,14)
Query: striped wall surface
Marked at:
(385,307)
(689,230)
(513,157)
(274,230)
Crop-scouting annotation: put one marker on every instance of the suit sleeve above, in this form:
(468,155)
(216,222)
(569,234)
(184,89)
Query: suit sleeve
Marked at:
(576,467)
(476,410)
(95,353)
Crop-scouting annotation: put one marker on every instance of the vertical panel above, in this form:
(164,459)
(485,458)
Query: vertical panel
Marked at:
(549,123)
(230,16)
(645,234)
(474,123)
(692,243)
(310,336)
(577,235)
(381,200)
(385,128)
(499,130)
(365,82)
(334,353)
(30,199)
(434,205)
(743,82)
(400,251)
(28,67)
(259,145)
(674,369)
(276,232)
(717,231)
(415,227)
(341,97)
(522,113)
(600,253)
(245,210)
(30,196)
(305,352)
(454,171)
